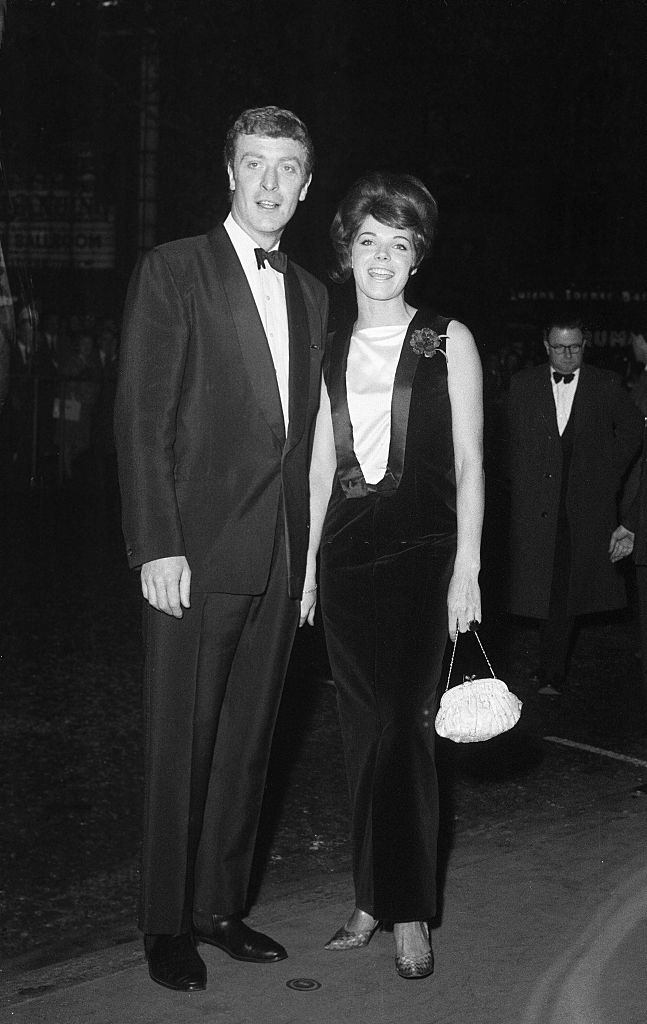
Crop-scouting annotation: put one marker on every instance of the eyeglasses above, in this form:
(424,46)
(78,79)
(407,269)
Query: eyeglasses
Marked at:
(561,349)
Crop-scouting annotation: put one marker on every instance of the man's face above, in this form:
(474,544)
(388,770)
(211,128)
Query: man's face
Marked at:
(267,179)
(565,348)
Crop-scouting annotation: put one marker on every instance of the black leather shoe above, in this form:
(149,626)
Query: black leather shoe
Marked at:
(241,942)
(174,962)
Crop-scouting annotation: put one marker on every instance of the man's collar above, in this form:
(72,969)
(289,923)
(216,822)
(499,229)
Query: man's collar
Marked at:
(240,238)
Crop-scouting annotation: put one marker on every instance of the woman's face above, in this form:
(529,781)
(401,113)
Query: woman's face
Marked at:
(382,259)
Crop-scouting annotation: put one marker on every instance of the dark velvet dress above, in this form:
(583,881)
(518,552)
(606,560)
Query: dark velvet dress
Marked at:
(387,556)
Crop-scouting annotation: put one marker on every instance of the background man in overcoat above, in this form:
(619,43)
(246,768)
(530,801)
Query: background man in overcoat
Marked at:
(218,388)
(573,434)
(631,537)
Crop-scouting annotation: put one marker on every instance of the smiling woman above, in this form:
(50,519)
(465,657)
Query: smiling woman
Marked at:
(396,490)
(382,260)
(397,201)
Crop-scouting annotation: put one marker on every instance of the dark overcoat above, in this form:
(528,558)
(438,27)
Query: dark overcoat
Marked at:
(634,515)
(203,456)
(607,429)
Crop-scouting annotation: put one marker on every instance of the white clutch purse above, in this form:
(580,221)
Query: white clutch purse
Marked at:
(477,709)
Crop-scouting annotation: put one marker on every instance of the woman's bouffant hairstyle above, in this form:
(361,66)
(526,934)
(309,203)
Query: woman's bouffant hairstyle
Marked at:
(273,123)
(397,200)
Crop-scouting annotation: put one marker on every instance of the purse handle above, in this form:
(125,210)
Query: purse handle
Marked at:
(451,664)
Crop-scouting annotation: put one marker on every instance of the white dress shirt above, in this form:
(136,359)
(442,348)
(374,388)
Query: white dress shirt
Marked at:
(268,289)
(370,374)
(563,395)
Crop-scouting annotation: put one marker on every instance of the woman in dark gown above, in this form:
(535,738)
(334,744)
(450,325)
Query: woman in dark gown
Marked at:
(396,510)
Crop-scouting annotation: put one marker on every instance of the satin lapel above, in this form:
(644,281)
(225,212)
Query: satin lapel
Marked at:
(299,356)
(250,332)
(349,472)
(400,405)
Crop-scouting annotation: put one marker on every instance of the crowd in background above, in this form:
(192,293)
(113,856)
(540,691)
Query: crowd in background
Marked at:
(56,424)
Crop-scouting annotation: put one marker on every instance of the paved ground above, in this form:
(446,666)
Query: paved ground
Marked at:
(543,845)
(543,925)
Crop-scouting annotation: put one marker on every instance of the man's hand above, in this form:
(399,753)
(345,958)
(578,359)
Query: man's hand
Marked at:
(621,543)
(166,584)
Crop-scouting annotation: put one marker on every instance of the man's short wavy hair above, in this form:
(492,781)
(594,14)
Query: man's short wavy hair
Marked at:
(567,319)
(273,123)
(396,200)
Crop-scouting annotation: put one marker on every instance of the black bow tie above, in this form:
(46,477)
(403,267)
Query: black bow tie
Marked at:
(566,377)
(276,259)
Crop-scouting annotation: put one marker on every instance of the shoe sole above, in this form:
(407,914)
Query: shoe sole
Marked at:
(244,959)
(176,988)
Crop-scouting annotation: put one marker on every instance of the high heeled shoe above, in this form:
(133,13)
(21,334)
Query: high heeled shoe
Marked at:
(411,967)
(345,939)
(415,966)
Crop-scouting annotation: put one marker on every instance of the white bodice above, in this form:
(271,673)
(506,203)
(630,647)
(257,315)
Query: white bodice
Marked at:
(370,372)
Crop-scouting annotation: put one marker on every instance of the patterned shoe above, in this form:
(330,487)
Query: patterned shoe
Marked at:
(343,939)
(415,967)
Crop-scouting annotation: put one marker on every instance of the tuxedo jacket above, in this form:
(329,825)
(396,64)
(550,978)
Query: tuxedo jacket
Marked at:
(607,430)
(203,457)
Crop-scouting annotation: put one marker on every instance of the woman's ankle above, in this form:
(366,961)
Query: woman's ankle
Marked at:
(411,938)
(360,921)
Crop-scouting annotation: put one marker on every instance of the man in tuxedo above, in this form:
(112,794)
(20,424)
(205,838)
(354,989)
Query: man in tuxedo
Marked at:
(573,435)
(218,389)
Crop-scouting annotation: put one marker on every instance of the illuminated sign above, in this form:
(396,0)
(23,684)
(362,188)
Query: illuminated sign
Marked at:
(585,295)
(59,228)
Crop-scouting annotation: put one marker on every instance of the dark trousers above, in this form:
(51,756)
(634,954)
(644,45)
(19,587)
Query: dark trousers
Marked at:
(385,619)
(555,637)
(556,632)
(641,586)
(213,683)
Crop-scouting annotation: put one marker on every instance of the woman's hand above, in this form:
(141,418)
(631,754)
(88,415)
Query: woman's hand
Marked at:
(463,601)
(308,604)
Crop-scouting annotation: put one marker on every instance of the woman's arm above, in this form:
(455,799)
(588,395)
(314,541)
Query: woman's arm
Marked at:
(465,384)
(322,472)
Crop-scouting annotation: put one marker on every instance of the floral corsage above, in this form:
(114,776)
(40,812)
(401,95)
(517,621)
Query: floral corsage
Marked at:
(425,342)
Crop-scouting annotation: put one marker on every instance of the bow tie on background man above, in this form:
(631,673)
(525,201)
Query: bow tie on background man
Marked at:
(566,377)
(276,259)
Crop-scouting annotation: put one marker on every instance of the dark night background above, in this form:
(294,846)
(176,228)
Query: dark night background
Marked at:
(526,119)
